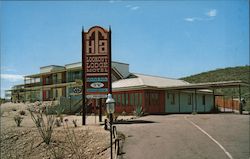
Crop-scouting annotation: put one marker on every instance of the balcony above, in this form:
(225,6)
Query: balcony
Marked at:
(36,84)
(74,78)
(53,81)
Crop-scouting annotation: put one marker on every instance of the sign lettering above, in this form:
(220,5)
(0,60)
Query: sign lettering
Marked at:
(97,59)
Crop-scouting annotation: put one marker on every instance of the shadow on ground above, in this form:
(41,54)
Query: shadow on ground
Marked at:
(133,122)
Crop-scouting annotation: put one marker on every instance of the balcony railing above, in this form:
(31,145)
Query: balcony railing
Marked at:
(54,81)
(27,85)
(73,79)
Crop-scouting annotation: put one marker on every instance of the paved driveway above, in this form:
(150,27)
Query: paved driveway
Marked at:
(219,136)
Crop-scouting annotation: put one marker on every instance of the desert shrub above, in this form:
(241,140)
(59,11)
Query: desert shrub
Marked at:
(1,113)
(57,152)
(124,113)
(18,119)
(78,114)
(74,122)
(72,144)
(22,112)
(194,113)
(247,107)
(138,111)
(45,125)
(58,122)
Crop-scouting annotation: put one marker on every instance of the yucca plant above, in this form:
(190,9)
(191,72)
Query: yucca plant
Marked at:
(138,111)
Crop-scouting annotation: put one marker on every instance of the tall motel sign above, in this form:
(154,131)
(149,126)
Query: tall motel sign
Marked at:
(96,65)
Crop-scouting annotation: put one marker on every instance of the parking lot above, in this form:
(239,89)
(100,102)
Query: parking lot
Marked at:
(187,136)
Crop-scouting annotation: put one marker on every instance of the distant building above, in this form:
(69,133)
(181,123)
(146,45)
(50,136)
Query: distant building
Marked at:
(130,90)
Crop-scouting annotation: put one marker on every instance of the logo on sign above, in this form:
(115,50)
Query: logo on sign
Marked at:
(97,85)
(77,90)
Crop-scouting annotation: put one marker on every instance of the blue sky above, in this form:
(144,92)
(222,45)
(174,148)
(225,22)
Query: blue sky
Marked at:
(165,38)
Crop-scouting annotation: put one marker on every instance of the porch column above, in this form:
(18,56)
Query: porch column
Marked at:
(213,100)
(232,104)
(224,104)
(240,105)
(179,94)
(195,97)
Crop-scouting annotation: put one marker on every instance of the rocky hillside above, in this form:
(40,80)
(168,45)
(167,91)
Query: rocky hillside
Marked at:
(226,74)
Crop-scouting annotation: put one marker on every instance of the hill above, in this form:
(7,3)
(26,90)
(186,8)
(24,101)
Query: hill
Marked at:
(225,74)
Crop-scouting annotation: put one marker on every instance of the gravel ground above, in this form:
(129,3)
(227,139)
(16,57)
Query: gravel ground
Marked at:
(90,141)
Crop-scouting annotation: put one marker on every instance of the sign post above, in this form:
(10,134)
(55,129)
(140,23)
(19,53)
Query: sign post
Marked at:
(96,59)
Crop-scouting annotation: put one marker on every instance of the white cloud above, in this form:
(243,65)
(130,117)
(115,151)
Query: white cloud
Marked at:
(8,69)
(114,1)
(192,19)
(210,16)
(212,13)
(12,77)
(132,7)
(189,19)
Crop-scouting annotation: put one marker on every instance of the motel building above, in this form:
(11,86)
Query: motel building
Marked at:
(156,95)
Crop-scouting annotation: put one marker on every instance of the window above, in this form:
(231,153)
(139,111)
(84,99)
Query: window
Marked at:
(118,99)
(136,99)
(54,76)
(203,99)
(126,99)
(172,95)
(132,98)
(47,80)
(189,99)
(140,99)
(123,99)
(48,94)
(56,93)
(114,97)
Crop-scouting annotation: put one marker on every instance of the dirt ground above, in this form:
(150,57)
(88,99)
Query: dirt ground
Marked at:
(90,141)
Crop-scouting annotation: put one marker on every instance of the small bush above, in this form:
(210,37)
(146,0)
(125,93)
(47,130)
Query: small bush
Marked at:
(18,119)
(45,126)
(138,111)
(57,152)
(13,109)
(38,121)
(78,114)
(1,113)
(57,122)
(22,112)
(74,122)
(61,118)
(194,113)
(124,113)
